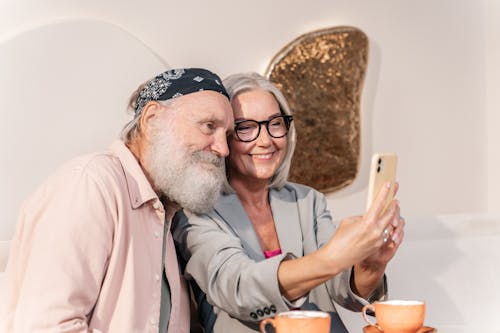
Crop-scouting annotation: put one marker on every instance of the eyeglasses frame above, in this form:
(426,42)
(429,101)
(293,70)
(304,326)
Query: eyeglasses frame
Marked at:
(287,118)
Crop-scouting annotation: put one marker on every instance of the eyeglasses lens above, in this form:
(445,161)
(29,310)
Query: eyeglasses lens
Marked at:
(249,130)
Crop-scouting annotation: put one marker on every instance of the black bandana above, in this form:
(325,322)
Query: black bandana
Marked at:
(178,82)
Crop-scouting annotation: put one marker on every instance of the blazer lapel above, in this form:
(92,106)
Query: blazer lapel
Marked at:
(232,212)
(286,218)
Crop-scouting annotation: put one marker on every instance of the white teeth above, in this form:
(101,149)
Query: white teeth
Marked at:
(263,155)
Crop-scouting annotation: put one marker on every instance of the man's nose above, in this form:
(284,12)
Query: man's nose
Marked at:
(219,145)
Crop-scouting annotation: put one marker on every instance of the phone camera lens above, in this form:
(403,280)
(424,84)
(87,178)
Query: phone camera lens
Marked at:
(379,161)
(378,169)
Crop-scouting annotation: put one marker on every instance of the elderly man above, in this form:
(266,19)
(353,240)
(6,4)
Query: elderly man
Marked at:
(93,250)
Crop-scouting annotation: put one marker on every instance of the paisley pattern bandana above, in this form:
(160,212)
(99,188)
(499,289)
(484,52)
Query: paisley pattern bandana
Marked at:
(178,82)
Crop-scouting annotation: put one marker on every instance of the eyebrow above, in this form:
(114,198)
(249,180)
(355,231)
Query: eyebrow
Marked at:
(203,119)
(218,122)
(271,116)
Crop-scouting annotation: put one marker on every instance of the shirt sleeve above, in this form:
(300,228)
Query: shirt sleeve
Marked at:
(63,243)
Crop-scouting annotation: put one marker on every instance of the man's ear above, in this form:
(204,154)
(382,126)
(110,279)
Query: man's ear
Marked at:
(149,114)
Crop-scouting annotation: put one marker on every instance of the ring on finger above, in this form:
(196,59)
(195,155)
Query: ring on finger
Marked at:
(386,234)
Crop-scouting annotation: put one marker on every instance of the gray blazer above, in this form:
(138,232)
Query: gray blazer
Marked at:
(235,286)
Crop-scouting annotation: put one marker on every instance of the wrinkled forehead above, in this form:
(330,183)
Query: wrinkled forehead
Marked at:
(204,105)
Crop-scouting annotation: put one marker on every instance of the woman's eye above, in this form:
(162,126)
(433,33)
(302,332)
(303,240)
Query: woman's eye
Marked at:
(276,123)
(246,126)
(243,128)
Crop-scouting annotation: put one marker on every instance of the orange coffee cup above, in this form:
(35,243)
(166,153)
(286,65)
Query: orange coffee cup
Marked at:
(298,322)
(397,316)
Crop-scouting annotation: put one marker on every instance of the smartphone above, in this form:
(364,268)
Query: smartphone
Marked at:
(382,169)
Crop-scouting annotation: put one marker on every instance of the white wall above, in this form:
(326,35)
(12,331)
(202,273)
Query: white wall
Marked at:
(428,104)
(493,103)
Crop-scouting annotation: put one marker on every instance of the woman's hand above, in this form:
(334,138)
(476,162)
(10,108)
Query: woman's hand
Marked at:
(393,234)
(369,272)
(359,240)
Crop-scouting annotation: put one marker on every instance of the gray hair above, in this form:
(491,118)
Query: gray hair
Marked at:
(238,83)
(132,129)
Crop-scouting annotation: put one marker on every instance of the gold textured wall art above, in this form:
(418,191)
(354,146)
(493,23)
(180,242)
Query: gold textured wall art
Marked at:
(321,74)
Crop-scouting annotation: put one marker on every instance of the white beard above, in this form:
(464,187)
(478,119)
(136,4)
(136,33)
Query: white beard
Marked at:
(192,180)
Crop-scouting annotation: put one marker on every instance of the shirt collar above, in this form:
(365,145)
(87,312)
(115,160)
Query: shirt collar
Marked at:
(139,188)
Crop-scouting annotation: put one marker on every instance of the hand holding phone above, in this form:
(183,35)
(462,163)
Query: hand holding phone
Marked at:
(382,170)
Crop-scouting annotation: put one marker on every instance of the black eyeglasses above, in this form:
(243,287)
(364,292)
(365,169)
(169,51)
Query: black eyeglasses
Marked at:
(249,130)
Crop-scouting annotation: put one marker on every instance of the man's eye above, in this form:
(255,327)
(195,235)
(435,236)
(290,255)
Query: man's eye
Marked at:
(209,126)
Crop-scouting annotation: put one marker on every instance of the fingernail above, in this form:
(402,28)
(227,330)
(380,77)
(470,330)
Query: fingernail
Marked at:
(388,184)
(395,238)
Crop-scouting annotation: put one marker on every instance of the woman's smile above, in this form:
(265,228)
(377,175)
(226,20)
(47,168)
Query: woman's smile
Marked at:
(263,157)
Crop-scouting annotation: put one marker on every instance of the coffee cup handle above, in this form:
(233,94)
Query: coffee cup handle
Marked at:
(365,317)
(264,322)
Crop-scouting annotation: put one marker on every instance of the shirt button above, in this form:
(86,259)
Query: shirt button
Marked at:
(156,205)
(157,277)
(152,321)
(157,234)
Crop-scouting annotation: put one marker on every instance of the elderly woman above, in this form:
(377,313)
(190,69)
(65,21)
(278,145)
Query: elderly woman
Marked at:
(270,245)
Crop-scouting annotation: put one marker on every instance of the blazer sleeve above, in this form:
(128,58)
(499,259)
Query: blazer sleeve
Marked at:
(339,287)
(217,261)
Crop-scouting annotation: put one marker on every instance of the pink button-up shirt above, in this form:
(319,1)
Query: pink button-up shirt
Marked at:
(86,256)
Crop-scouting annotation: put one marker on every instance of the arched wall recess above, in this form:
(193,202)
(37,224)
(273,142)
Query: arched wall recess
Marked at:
(64,89)
(321,74)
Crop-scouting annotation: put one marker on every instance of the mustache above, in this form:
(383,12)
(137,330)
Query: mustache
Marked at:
(207,157)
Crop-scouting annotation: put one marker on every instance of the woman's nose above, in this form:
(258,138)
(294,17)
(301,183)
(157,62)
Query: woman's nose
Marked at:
(264,138)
